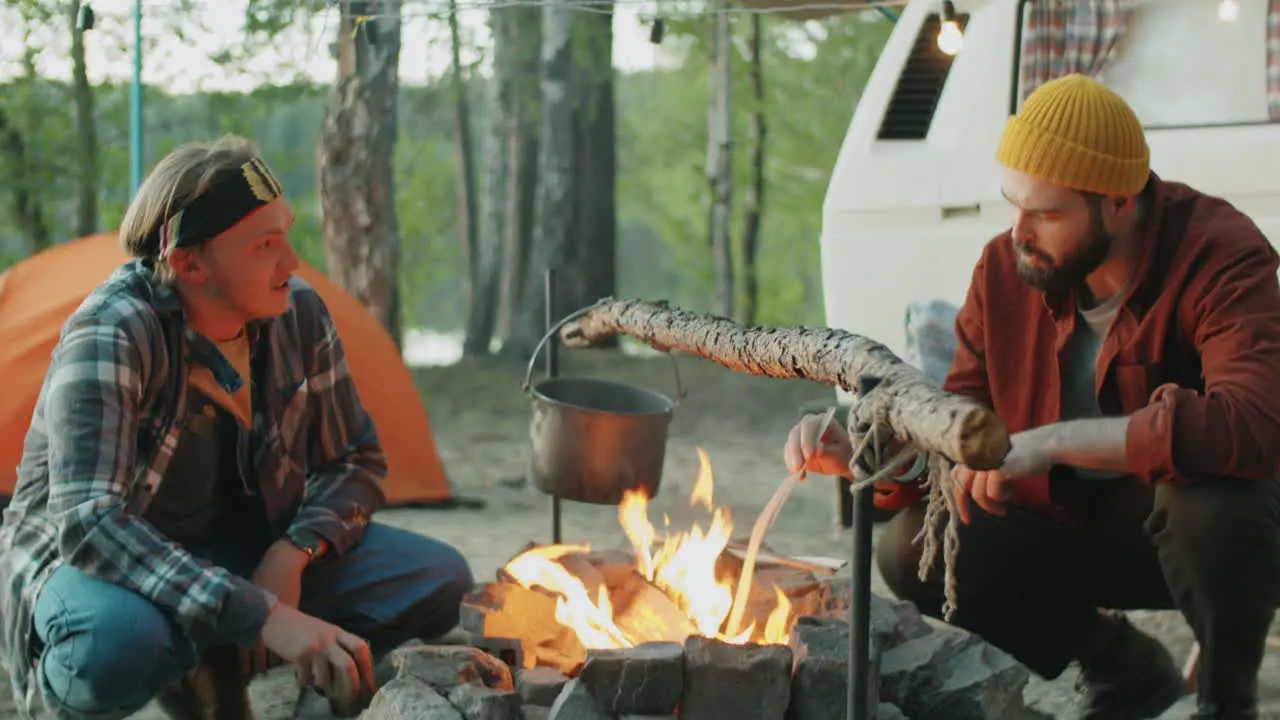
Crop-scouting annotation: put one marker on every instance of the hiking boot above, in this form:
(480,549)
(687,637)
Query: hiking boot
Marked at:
(215,690)
(1133,678)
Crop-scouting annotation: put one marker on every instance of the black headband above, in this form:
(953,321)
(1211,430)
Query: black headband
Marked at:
(231,196)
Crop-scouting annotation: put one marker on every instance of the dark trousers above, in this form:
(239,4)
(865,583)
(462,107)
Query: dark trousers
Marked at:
(1031,586)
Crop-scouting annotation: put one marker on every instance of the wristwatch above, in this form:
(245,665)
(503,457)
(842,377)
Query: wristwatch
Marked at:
(308,541)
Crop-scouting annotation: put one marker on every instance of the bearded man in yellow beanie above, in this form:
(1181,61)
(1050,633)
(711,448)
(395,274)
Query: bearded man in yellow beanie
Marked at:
(1127,330)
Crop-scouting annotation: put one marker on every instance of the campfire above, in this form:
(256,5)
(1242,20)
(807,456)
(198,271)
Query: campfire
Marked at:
(558,601)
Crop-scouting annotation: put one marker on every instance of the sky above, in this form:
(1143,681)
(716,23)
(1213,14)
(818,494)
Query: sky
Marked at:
(178,47)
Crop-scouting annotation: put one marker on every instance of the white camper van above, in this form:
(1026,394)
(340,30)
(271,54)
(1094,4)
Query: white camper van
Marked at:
(915,192)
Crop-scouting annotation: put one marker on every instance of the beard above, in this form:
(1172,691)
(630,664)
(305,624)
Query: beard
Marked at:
(1056,277)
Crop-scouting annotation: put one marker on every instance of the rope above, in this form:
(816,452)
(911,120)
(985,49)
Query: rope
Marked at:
(941,528)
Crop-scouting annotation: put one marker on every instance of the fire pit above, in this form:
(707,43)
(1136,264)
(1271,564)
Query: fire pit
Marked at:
(567,633)
(559,601)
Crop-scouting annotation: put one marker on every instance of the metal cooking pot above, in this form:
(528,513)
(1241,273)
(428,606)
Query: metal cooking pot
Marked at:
(594,439)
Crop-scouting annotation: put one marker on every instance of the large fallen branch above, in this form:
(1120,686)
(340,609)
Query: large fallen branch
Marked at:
(957,427)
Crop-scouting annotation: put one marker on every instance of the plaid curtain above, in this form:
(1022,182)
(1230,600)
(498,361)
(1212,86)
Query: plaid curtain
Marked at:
(1060,37)
(1273,59)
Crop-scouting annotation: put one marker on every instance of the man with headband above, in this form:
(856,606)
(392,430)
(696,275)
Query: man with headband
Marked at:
(199,475)
(1127,331)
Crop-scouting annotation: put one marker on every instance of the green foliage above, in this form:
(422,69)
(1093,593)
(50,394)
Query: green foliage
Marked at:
(813,74)
(662,143)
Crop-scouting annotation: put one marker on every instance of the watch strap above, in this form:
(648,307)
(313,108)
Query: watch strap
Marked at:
(308,541)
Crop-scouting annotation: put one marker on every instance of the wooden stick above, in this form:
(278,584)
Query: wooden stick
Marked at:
(957,427)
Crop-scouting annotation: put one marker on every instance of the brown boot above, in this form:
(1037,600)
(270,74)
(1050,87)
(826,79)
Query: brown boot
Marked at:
(1132,678)
(215,690)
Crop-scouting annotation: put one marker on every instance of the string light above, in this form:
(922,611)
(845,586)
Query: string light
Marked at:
(1228,10)
(950,37)
(590,6)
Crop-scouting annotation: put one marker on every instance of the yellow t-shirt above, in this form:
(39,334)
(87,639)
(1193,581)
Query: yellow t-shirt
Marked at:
(239,404)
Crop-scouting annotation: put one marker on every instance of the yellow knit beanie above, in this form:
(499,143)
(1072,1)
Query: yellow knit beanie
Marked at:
(1076,132)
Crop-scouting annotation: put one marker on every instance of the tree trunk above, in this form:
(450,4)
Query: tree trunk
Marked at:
(916,409)
(86,131)
(492,228)
(553,241)
(357,148)
(28,206)
(755,191)
(596,226)
(720,162)
(479,315)
(522,161)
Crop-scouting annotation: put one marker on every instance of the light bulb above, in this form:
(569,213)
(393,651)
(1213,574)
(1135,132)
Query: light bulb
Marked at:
(1228,10)
(950,39)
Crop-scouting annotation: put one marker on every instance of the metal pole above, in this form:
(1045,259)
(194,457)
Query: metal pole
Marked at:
(135,105)
(553,370)
(860,612)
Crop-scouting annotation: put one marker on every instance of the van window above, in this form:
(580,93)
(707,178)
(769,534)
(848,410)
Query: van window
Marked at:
(1179,63)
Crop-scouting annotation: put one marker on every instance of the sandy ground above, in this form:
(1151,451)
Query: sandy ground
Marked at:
(481,422)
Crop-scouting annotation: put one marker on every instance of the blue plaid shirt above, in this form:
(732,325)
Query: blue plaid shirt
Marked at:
(106,425)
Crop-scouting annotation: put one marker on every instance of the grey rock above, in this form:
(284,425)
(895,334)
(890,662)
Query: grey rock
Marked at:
(534,712)
(446,667)
(406,698)
(889,711)
(311,705)
(819,686)
(645,680)
(953,676)
(576,703)
(894,622)
(386,670)
(722,680)
(477,702)
(540,685)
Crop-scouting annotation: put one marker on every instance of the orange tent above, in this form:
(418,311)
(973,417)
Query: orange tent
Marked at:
(38,295)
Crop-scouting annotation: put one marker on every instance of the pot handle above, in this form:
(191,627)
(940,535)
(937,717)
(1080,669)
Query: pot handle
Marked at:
(681,393)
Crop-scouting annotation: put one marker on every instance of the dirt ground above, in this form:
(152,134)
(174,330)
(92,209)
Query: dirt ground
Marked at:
(481,422)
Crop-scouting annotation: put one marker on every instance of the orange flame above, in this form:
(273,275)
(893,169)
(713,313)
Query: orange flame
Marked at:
(683,567)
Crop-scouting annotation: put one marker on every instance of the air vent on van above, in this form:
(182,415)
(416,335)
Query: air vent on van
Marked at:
(911,109)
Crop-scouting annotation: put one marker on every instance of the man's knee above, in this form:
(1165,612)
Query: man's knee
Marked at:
(1214,517)
(898,556)
(1217,525)
(395,583)
(441,579)
(107,650)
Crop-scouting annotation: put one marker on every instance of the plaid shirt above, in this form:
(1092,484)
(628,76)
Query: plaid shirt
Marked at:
(107,422)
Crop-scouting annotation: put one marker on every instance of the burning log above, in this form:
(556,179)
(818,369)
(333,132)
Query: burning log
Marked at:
(957,427)
(646,614)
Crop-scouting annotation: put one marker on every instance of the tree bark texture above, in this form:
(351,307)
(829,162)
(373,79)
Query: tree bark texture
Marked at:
(478,322)
(553,241)
(491,228)
(86,131)
(596,216)
(755,190)
(920,412)
(357,148)
(525,26)
(720,162)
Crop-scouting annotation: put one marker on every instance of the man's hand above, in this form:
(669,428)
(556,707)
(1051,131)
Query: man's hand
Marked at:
(830,456)
(336,662)
(280,572)
(1031,455)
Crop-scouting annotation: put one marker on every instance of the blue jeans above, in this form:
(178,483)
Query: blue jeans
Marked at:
(108,651)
